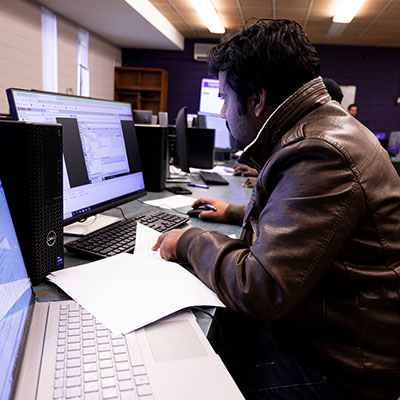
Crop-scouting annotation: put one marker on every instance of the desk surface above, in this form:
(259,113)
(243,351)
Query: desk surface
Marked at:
(233,193)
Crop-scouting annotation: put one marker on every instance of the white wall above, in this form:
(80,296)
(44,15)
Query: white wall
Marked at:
(21,53)
(20,47)
(103,58)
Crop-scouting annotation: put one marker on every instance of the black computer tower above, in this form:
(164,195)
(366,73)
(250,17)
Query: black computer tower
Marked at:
(31,171)
(153,142)
(201,147)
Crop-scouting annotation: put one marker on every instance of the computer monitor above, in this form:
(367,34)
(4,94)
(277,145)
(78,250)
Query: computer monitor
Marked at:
(182,143)
(383,138)
(394,143)
(142,116)
(210,102)
(101,160)
(210,107)
(223,138)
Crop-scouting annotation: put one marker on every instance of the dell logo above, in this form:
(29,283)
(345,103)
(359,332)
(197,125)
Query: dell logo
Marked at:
(51,238)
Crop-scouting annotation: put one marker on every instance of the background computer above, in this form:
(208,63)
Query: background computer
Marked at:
(142,116)
(195,148)
(209,108)
(101,161)
(182,141)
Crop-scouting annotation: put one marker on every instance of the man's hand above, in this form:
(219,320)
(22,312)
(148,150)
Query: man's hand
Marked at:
(250,182)
(218,215)
(167,244)
(244,170)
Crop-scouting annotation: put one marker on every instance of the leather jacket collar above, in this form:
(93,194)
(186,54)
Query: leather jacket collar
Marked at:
(310,96)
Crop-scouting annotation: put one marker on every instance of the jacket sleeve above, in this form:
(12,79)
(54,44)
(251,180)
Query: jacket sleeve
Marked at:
(312,203)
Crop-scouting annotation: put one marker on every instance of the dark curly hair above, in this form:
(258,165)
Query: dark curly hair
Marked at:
(273,54)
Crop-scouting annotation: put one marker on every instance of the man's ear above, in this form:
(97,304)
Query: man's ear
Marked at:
(258,103)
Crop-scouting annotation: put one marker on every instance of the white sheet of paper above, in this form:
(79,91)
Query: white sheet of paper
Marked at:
(146,238)
(219,169)
(126,291)
(172,202)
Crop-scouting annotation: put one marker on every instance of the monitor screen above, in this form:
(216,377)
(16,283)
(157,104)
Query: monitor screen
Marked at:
(15,294)
(142,116)
(223,138)
(394,142)
(101,162)
(210,102)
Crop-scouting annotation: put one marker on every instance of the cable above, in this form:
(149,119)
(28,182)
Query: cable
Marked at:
(122,213)
(218,325)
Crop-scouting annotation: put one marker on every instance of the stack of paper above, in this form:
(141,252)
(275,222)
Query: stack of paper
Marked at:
(127,291)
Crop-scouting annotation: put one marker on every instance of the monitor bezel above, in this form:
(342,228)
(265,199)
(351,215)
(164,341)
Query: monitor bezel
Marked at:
(106,205)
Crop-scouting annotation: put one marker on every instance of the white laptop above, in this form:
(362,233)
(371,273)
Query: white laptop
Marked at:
(57,350)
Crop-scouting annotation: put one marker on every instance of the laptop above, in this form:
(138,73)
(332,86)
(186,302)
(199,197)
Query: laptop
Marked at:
(57,350)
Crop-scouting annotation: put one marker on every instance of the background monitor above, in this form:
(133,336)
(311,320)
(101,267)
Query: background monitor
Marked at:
(101,161)
(210,102)
(394,143)
(182,143)
(223,138)
(142,116)
(383,138)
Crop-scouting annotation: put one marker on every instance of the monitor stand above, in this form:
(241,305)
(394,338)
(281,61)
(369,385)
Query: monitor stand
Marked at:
(91,224)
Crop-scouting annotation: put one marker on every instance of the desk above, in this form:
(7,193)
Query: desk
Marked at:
(233,193)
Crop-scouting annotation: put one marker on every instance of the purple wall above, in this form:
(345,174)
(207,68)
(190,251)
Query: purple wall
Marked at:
(374,70)
(376,73)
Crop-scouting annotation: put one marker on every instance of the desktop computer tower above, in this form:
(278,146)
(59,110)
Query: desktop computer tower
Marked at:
(153,142)
(201,147)
(31,170)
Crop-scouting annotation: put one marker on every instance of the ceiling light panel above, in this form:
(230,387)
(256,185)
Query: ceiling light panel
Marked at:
(209,16)
(347,10)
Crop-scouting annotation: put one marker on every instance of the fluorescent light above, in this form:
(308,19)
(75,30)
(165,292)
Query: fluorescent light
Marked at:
(209,16)
(347,10)
(335,30)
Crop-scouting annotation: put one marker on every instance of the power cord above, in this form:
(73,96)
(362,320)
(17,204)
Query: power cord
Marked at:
(122,213)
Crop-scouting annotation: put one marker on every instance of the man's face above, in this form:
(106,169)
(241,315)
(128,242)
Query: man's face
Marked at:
(241,127)
(353,111)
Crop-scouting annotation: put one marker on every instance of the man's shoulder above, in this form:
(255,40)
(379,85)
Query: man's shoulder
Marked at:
(331,127)
(330,123)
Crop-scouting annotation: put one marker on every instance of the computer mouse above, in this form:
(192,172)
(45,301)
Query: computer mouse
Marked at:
(194,212)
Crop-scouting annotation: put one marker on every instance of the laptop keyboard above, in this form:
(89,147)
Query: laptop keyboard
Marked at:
(93,363)
(213,178)
(121,236)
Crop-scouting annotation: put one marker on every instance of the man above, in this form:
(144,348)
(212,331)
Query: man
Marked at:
(334,91)
(352,109)
(315,277)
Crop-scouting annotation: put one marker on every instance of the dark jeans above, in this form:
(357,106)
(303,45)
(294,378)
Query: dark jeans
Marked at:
(264,369)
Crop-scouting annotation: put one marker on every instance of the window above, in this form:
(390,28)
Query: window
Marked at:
(49,51)
(83,63)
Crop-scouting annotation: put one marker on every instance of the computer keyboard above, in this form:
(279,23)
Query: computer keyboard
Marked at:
(93,363)
(121,236)
(212,178)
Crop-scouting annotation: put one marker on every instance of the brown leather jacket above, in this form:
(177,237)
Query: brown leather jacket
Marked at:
(325,263)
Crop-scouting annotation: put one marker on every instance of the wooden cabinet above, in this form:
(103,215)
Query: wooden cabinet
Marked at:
(144,88)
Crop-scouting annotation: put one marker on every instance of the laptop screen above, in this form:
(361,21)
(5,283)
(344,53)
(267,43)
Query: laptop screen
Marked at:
(15,298)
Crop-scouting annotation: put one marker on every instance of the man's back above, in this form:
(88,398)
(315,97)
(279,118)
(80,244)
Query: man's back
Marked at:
(339,185)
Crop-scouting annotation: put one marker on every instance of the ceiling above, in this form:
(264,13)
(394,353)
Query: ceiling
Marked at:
(168,22)
(376,24)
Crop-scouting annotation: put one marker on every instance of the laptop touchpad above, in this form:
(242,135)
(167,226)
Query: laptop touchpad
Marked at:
(174,340)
